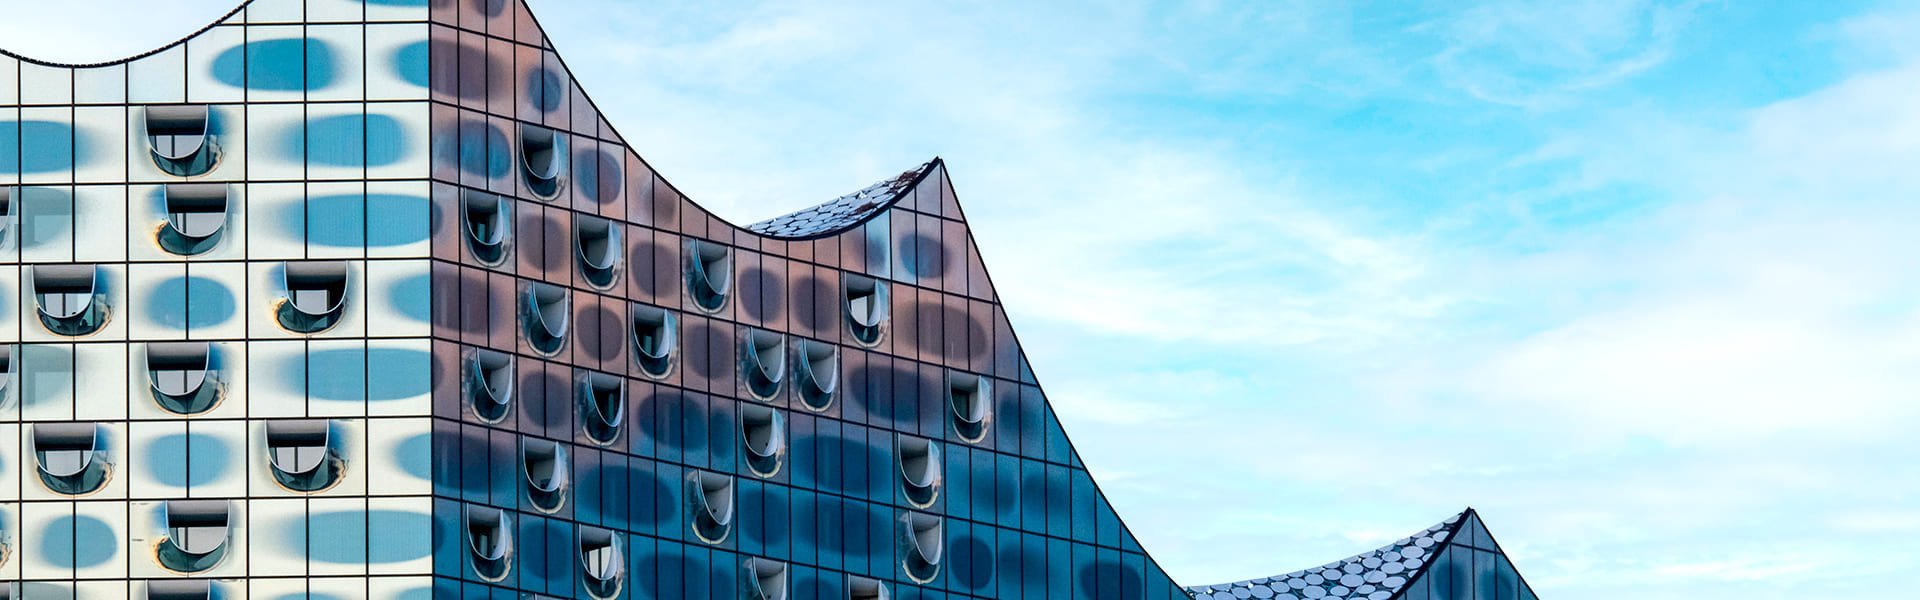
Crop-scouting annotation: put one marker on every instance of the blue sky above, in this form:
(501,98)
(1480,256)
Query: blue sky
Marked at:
(1637,280)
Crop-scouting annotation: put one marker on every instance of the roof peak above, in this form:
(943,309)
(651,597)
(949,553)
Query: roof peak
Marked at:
(847,211)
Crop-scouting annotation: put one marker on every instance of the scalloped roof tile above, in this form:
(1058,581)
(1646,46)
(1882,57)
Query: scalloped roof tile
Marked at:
(1375,575)
(844,211)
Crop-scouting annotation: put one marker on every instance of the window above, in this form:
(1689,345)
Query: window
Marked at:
(69,298)
(711,495)
(971,398)
(545,315)
(925,537)
(489,542)
(603,564)
(709,274)
(489,226)
(180,589)
(543,160)
(764,432)
(196,214)
(181,139)
(597,246)
(197,534)
(490,384)
(819,373)
(316,296)
(603,407)
(919,469)
(766,579)
(545,464)
(9,218)
(305,455)
(71,457)
(6,376)
(655,336)
(763,362)
(861,588)
(866,303)
(181,376)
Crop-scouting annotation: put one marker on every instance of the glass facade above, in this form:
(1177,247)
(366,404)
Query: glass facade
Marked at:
(356,299)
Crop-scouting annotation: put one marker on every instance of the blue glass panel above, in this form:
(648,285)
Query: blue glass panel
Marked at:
(185,460)
(77,541)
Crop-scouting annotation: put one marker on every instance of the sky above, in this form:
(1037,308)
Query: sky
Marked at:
(1639,281)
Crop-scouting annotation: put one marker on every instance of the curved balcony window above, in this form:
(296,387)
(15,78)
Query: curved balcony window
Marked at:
(7,376)
(818,373)
(655,337)
(861,588)
(181,139)
(603,407)
(545,464)
(603,562)
(489,220)
(490,384)
(180,589)
(489,542)
(709,274)
(766,579)
(596,243)
(196,214)
(182,376)
(919,470)
(866,303)
(9,217)
(71,457)
(198,532)
(305,455)
(316,296)
(70,299)
(10,590)
(924,539)
(711,495)
(544,313)
(971,400)
(543,160)
(763,430)
(763,362)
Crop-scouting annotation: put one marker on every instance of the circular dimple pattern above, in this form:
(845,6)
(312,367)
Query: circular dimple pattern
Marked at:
(840,212)
(1375,575)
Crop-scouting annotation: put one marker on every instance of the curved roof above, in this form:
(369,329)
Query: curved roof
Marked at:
(1375,575)
(846,211)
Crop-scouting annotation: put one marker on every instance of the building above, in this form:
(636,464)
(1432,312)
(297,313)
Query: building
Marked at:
(342,299)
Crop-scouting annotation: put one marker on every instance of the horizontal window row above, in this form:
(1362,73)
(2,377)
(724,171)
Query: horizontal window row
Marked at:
(72,299)
(73,459)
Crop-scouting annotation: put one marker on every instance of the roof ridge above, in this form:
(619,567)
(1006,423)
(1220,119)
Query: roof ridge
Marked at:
(846,211)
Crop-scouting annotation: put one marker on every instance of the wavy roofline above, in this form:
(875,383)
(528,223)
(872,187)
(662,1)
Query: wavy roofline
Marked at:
(124,60)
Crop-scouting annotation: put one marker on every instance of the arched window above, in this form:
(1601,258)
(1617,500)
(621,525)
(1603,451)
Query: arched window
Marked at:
(489,382)
(489,542)
(925,539)
(69,298)
(305,455)
(603,562)
(655,337)
(316,295)
(181,139)
(709,274)
(545,313)
(489,221)
(919,469)
(182,376)
(196,214)
(971,398)
(543,160)
(763,362)
(818,370)
(865,300)
(603,406)
(545,465)
(71,457)
(763,430)
(198,532)
(597,246)
(711,496)
(766,579)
